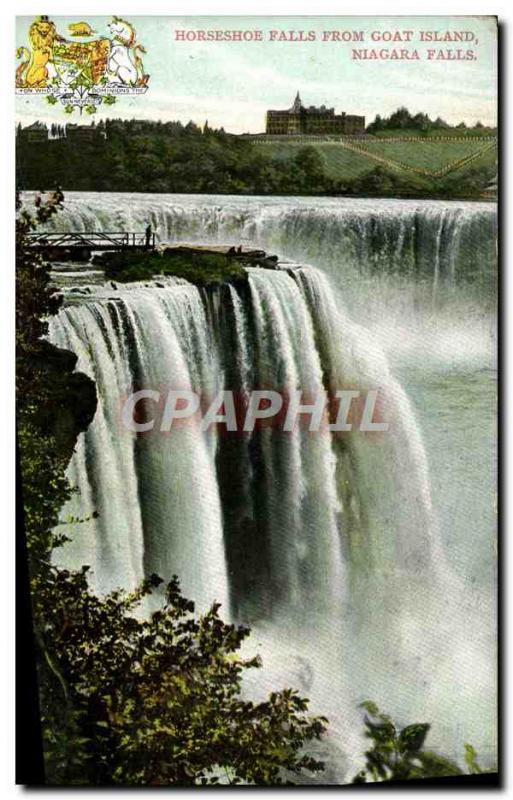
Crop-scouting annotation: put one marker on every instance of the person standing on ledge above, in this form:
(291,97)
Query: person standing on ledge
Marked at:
(148,233)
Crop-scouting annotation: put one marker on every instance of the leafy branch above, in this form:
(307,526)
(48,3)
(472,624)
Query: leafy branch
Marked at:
(399,754)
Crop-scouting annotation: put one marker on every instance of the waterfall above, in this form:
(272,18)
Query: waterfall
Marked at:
(328,545)
(401,239)
(157,498)
(422,274)
(325,544)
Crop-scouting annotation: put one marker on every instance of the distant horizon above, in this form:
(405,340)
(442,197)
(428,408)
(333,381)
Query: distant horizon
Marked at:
(65,120)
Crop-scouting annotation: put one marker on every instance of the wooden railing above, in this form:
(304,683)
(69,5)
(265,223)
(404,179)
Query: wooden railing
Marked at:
(92,240)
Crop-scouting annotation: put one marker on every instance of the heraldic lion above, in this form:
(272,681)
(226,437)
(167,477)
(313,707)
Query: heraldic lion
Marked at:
(37,70)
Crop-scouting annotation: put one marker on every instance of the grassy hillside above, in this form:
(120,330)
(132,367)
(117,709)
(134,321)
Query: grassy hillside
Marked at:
(429,155)
(430,164)
(339,162)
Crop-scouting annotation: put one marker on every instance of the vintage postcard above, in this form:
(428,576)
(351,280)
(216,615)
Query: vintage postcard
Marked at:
(256,340)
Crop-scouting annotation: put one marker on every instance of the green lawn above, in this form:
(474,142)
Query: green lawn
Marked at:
(353,158)
(429,155)
(338,162)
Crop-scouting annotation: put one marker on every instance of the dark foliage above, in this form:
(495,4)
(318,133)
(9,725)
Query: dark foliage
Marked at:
(382,182)
(402,119)
(54,403)
(144,156)
(196,267)
(400,755)
(157,701)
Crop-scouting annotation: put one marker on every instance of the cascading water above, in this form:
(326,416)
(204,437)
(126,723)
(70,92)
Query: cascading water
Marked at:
(145,490)
(421,274)
(329,546)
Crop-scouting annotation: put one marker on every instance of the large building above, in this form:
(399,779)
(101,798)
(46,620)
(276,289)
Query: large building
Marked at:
(299,120)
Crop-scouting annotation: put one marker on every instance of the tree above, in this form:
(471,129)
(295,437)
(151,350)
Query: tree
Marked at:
(421,122)
(377,125)
(310,160)
(35,297)
(159,699)
(400,118)
(377,181)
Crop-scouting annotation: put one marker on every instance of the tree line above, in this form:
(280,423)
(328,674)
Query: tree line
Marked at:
(169,157)
(402,119)
(144,156)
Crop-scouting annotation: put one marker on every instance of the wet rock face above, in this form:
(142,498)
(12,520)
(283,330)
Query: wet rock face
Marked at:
(68,403)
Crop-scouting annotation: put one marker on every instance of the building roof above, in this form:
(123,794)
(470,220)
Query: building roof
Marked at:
(297,107)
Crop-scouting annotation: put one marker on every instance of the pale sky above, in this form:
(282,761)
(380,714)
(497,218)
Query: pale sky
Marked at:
(232,84)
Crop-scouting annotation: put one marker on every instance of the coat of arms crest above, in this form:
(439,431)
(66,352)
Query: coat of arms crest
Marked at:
(83,73)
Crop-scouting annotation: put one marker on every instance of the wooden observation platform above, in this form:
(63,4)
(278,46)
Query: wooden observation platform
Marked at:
(82,243)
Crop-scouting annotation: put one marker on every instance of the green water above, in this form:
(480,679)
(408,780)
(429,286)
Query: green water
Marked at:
(457,415)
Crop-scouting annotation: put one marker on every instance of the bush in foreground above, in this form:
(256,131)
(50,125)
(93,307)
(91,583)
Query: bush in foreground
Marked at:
(400,755)
(158,700)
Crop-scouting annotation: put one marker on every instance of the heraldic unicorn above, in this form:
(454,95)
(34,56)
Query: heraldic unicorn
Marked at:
(81,74)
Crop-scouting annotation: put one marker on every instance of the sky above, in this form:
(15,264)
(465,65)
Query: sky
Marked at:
(232,84)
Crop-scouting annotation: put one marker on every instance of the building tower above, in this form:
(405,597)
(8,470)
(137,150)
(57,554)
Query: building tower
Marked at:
(296,107)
